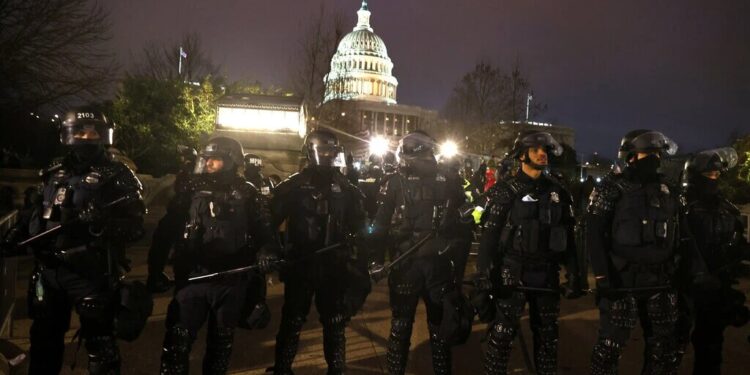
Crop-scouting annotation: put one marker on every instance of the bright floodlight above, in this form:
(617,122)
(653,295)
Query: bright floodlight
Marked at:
(448,149)
(378,145)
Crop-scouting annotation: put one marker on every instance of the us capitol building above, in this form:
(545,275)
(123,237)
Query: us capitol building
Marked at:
(361,90)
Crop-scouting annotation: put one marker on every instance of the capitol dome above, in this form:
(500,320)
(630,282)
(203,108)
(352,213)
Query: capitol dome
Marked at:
(361,68)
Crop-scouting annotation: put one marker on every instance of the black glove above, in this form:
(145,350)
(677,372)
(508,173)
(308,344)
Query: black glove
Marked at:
(158,282)
(256,318)
(484,305)
(268,261)
(377,271)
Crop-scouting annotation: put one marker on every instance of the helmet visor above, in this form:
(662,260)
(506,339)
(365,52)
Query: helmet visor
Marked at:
(94,132)
(545,140)
(718,159)
(654,141)
(327,155)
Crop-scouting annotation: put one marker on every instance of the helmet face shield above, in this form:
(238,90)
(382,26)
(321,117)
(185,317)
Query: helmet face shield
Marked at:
(228,150)
(542,139)
(719,159)
(653,141)
(93,132)
(327,155)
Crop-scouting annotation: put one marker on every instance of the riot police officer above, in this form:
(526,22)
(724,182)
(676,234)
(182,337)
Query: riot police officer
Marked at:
(528,233)
(172,224)
(98,205)
(635,235)
(254,174)
(226,215)
(425,202)
(718,230)
(370,183)
(322,209)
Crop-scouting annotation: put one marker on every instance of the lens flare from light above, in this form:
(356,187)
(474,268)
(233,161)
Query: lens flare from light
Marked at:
(448,149)
(378,145)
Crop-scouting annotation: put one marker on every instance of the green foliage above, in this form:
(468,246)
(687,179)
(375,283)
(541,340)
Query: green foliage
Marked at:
(736,183)
(154,116)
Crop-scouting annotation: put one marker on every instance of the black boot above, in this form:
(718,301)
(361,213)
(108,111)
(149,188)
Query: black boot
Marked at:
(175,356)
(104,356)
(287,341)
(605,357)
(218,351)
(497,356)
(441,353)
(334,347)
(398,345)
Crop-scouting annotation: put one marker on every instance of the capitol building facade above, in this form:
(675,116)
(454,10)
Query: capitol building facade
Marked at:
(361,89)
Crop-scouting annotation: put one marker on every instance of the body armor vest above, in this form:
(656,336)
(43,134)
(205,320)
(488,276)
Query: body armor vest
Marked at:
(218,222)
(424,199)
(535,227)
(319,212)
(644,226)
(714,226)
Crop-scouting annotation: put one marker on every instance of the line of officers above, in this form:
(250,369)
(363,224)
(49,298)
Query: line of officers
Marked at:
(660,255)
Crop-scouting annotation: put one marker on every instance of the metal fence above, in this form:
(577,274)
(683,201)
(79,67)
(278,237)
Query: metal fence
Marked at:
(9,268)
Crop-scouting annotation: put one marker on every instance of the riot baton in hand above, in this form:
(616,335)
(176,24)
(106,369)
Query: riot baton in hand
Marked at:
(378,274)
(58,227)
(255,266)
(520,288)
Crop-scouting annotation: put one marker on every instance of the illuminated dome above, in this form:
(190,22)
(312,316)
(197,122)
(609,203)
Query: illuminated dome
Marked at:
(361,68)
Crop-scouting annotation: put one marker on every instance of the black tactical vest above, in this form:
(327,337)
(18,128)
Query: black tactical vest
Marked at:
(318,211)
(218,224)
(535,227)
(644,226)
(714,227)
(424,200)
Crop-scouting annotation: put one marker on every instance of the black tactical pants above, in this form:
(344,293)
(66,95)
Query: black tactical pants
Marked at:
(426,277)
(544,308)
(658,314)
(218,302)
(63,289)
(326,285)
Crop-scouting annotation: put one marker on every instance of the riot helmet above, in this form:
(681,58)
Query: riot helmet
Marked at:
(228,150)
(322,148)
(719,159)
(390,162)
(644,141)
(533,138)
(188,157)
(698,169)
(85,126)
(416,145)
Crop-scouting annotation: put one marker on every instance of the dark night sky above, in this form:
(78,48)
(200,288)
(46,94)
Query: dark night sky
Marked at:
(603,67)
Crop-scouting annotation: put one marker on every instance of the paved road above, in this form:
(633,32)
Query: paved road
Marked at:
(366,338)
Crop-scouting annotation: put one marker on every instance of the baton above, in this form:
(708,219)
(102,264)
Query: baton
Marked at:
(387,268)
(255,266)
(58,227)
(520,288)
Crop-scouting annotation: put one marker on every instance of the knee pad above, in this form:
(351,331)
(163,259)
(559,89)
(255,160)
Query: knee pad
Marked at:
(662,309)
(605,357)
(92,307)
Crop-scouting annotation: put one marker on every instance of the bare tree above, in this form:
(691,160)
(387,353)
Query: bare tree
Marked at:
(52,51)
(313,60)
(161,61)
(479,95)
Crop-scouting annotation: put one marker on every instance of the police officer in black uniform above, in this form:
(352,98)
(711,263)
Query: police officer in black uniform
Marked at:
(637,237)
(718,230)
(425,202)
(528,233)
(370,184)
(225,217)
(321,208)
(98,203)
(254,174)
(172,224)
